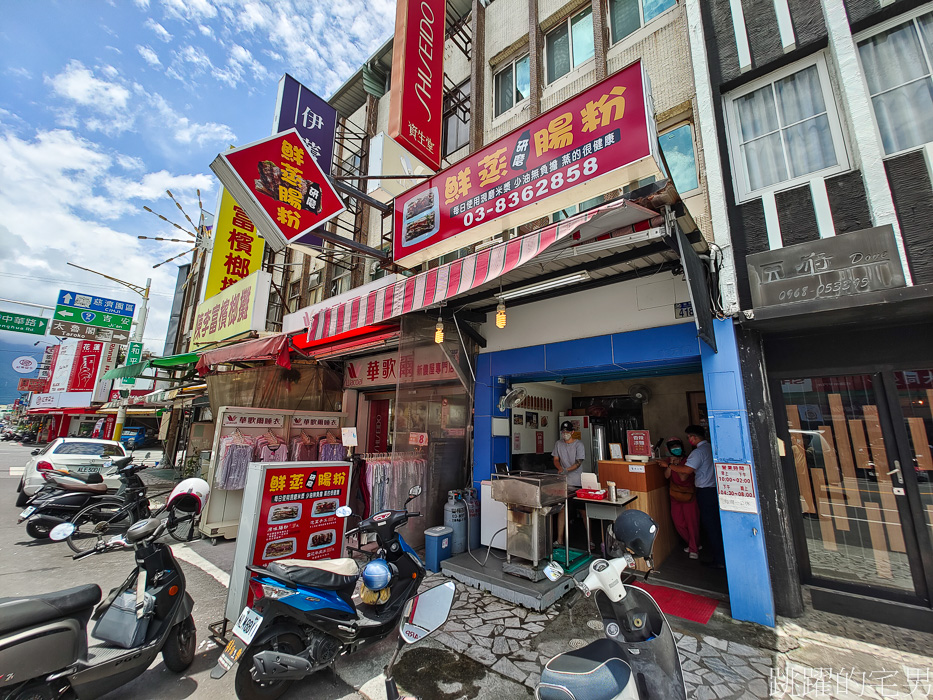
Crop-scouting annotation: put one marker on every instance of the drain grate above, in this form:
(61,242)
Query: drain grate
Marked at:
(595,625)
(577,643)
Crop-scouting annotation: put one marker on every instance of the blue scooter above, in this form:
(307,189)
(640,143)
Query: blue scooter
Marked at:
(305,615)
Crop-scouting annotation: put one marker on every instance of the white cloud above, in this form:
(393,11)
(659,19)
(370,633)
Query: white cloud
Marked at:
(185,131)
(149,56)
(142,4)
(18,72)
(160,31)
(77,83)
(240,64)
(196,10)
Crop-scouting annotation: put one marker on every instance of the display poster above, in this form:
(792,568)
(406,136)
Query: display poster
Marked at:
(736,487)
(539,442)
(639,443)
(298,515)
(237,249)
(571,147)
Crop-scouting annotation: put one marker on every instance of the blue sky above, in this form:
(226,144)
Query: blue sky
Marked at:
(105,105)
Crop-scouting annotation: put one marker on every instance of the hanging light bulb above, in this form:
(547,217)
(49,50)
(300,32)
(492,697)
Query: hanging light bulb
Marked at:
(500,315)
(439,331)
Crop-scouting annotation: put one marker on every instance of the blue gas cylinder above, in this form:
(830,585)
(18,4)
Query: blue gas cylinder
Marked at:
(455,519)
(472,504)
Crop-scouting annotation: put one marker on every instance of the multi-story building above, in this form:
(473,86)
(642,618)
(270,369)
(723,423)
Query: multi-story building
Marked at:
(814,117)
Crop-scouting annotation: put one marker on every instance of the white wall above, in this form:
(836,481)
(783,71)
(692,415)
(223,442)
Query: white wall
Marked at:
(626,306)
(562,398)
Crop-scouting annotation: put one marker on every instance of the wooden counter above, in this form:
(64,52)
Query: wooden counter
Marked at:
(648,482)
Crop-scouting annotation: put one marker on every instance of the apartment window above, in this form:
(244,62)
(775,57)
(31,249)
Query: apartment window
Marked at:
(784,129)
(897,65)
(677,146)
(569,45)
(626,16)
(512,85)
(294,296)
(457,119)
(573,209)
(341,281)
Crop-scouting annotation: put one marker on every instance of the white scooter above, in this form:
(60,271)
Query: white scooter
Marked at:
(638,659)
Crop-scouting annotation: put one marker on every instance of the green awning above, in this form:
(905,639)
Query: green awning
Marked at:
(137,368)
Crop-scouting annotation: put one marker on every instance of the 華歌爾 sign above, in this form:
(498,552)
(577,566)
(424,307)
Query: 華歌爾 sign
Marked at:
(280,187)
(584,147)
(21,323)
(237,309)
(736,487)
(299,108)
(422,364)
(417,98)
(237,248)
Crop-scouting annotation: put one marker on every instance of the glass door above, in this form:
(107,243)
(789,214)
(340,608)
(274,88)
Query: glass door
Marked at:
(860,528)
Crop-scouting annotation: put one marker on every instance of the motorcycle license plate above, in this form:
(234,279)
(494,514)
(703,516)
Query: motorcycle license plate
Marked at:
(29,511)
(247,625)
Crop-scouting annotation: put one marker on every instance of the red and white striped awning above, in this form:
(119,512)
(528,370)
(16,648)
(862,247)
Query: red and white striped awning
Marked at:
(429,288)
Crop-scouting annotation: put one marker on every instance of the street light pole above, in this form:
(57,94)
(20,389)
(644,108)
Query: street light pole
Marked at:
(137,336)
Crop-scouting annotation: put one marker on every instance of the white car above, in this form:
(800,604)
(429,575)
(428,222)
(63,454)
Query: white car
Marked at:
(80,455)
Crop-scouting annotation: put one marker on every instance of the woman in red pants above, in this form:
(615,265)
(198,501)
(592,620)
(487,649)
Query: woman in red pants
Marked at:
(685,511)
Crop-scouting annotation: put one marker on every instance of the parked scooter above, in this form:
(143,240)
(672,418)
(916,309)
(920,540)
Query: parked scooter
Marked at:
(638,659)
(305,615)
(65,495)
(44,651)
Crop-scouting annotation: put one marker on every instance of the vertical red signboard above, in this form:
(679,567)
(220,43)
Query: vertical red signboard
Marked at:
(417,99)
(639,442)
(298,517)
(84,368)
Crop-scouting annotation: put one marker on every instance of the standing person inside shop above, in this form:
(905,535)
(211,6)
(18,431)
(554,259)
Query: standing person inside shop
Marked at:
(684,509)
(569,455)
(701,461)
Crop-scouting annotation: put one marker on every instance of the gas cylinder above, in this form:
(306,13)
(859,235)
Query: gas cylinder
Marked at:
(472,504)
(455,519)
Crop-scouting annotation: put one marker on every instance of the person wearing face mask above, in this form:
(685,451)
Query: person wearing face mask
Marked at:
(701,461)
(684,510)
(569,456)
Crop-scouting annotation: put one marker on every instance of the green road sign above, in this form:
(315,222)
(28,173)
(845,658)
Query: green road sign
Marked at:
(133,352)
(20,323)
(97,319)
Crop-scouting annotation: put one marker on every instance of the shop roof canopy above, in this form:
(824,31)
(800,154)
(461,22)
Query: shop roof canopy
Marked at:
(274,347)
(137,368)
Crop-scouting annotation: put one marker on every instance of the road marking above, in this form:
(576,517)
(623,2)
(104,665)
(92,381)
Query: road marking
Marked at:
(17,471)
(186,554)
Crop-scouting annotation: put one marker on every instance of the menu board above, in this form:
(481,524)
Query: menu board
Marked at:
(639,443)
(298,513)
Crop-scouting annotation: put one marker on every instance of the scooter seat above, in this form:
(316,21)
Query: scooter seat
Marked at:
(76,486)
(595,672)
(329,574)
(18,613)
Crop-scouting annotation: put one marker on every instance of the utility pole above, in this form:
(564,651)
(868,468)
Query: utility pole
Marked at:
(137,336)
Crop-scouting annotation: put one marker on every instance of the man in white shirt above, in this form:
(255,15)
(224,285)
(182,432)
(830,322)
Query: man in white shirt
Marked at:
(569,456)
(701,461)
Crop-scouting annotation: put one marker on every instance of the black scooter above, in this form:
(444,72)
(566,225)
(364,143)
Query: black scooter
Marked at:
(44,650)
(64,495)
(306,615)
(638,659)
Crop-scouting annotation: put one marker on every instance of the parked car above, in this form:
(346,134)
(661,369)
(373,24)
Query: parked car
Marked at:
(81,455)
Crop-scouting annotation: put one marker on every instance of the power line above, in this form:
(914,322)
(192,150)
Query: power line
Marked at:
(71,281)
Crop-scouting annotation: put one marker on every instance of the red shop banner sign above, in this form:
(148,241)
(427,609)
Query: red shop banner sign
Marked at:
(571,153)
(280,187)
(417,98)
(84,369)
(298,513)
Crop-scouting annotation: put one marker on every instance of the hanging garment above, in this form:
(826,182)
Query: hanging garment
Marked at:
(278,453)
(234,462)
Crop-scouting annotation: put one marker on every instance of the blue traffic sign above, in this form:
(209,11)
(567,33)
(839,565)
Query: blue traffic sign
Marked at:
(92,303)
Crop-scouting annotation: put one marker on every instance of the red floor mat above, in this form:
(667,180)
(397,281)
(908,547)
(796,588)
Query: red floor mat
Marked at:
(680,603)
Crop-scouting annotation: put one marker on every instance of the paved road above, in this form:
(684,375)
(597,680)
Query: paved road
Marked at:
(28,566)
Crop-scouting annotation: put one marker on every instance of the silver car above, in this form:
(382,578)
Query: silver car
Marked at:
(81,455)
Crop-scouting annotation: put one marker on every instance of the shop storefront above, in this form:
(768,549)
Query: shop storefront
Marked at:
(850,378)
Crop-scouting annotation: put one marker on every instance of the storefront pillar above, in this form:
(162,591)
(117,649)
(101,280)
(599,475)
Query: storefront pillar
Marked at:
(487,448)
(750,589)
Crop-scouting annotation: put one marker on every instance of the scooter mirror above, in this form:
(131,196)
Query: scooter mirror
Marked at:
(426,612)
(553,571)
(62,531)
(34,452)
(344,512)
(415,491)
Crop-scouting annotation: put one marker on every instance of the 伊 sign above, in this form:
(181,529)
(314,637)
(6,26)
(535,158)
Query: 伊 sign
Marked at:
(417,98)
(299,108)
(280,187)
(235,310)
(21,323)
(237,248)
(568,154)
